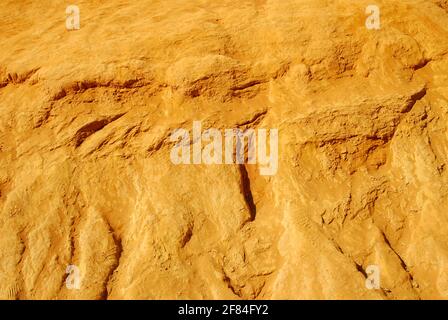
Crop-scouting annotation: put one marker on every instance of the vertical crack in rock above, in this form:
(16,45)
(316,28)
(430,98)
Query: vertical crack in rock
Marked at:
(359,268)
(402,264)
(229,284)
(247,192)
(416,97)
(116,253)
(18,287)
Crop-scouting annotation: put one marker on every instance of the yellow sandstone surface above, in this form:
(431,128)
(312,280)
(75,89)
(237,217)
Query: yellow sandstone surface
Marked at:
(86,177)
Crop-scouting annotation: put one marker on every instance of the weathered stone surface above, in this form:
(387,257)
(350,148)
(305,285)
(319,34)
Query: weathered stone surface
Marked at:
(86,177)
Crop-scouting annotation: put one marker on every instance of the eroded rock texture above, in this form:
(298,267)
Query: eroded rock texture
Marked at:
(86,177)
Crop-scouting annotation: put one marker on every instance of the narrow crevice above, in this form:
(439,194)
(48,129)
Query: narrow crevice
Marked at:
(421,64)
(402,263)
(416,97)
(247,192)
(89,129)
(80,86)
(18,289)
(229,284)
(116,254)
(255,120)
(247,85)
(360,269)
(15,78)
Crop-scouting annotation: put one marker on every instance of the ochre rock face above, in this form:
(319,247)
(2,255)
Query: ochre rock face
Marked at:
(87,180)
